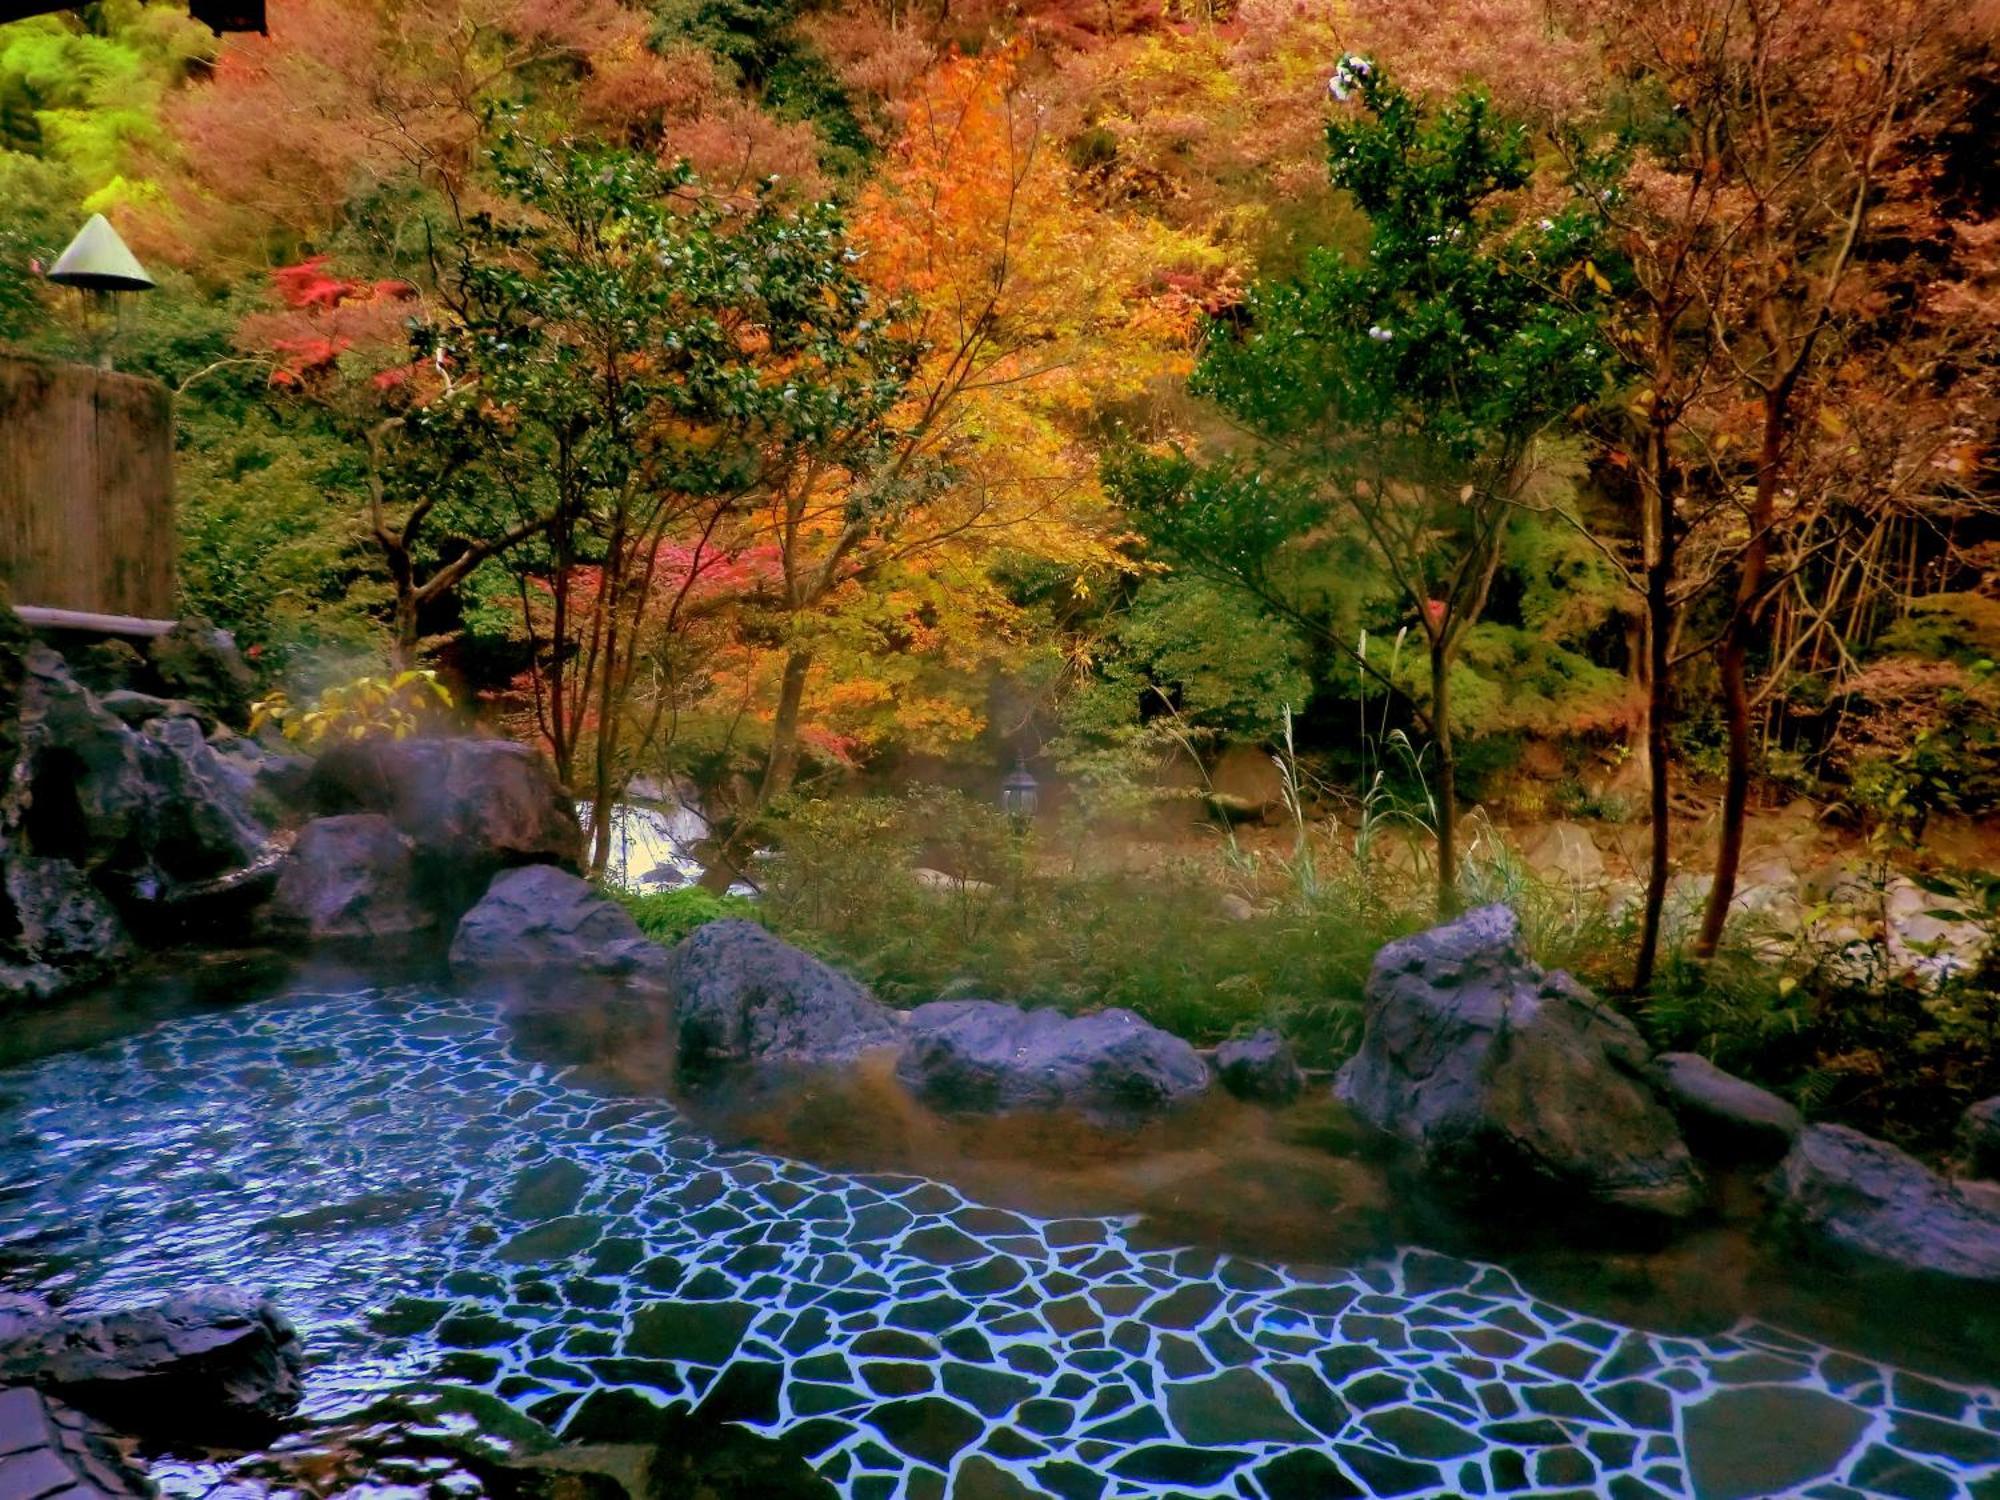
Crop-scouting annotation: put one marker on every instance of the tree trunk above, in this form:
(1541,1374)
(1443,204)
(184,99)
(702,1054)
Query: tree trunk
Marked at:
(1732,659)
(1735,793)
(403,581)
(1447,820)
(403,648)
(781,767)
(1661,546)
(562,738)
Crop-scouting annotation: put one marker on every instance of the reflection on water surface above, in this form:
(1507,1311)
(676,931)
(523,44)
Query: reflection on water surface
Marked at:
(434,1188)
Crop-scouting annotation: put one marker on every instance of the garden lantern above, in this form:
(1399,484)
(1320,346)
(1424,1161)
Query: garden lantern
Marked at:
(98,264)
(1020,794)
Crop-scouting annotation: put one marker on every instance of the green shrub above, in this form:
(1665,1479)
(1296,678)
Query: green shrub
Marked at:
(668,916)
(1839,1033)
(1961,628)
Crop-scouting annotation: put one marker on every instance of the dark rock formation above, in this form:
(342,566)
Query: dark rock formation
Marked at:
(350,877)
(79,791)
(200,663)
(108,666)
(539,917)
(1979,1132)
(273,783)
(980,1054)
(742,995)
(1505,1078)
(473,807)
(49,1449)
(134,708)
(1865,1197)
(1722,1114)
(55,928)
(201,825)
(144,807)
(212,1363)
(109,826)
(1259,1066)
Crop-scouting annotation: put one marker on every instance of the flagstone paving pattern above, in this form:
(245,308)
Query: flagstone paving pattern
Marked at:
(428,1204)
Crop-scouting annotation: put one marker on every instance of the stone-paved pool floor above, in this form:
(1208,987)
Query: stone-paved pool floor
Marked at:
(429,1205)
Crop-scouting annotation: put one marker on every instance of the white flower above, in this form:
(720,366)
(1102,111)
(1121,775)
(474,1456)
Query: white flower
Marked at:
(1353,68)
(1380,334)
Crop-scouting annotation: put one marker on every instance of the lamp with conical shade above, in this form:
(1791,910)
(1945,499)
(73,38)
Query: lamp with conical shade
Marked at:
(98,261)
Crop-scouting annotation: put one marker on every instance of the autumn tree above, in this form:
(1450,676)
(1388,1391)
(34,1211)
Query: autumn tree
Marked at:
(1742,207)
(1408,387)
(1025,310)
(340,349)
(647,361)
(352,116)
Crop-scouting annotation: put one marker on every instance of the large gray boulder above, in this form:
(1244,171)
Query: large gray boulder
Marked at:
(1506,1079)
(473,807)
(742,995)
(1866,1198)
(983,1055)
(350,877)
(1979,1133)
(208,1363)
(541,918)
(1722,1114)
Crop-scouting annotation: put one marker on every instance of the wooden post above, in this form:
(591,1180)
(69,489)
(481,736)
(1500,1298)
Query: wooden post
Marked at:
(86,489)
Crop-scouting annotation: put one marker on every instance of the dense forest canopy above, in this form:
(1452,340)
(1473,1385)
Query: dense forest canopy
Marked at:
(1594,398)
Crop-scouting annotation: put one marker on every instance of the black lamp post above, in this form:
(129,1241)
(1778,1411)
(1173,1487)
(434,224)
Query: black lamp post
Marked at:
(1020,794)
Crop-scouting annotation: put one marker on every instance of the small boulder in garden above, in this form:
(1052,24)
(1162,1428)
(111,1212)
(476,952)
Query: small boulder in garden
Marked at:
(1723,1115)
(209,1364)
(984,1055)
(350,877)
(742,995)
(1260,1067)
(1868,1199)
(538,917)
(1979,1132)
(1506,1079)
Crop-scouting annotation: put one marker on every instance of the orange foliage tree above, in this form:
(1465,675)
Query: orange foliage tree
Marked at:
(1030,312)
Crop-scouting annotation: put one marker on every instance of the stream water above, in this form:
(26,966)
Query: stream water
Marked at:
(467,1190)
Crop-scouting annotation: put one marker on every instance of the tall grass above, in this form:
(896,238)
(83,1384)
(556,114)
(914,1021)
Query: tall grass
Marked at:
(1206,944)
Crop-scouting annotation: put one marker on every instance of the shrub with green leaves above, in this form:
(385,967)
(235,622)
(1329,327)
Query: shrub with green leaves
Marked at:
(668,916)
